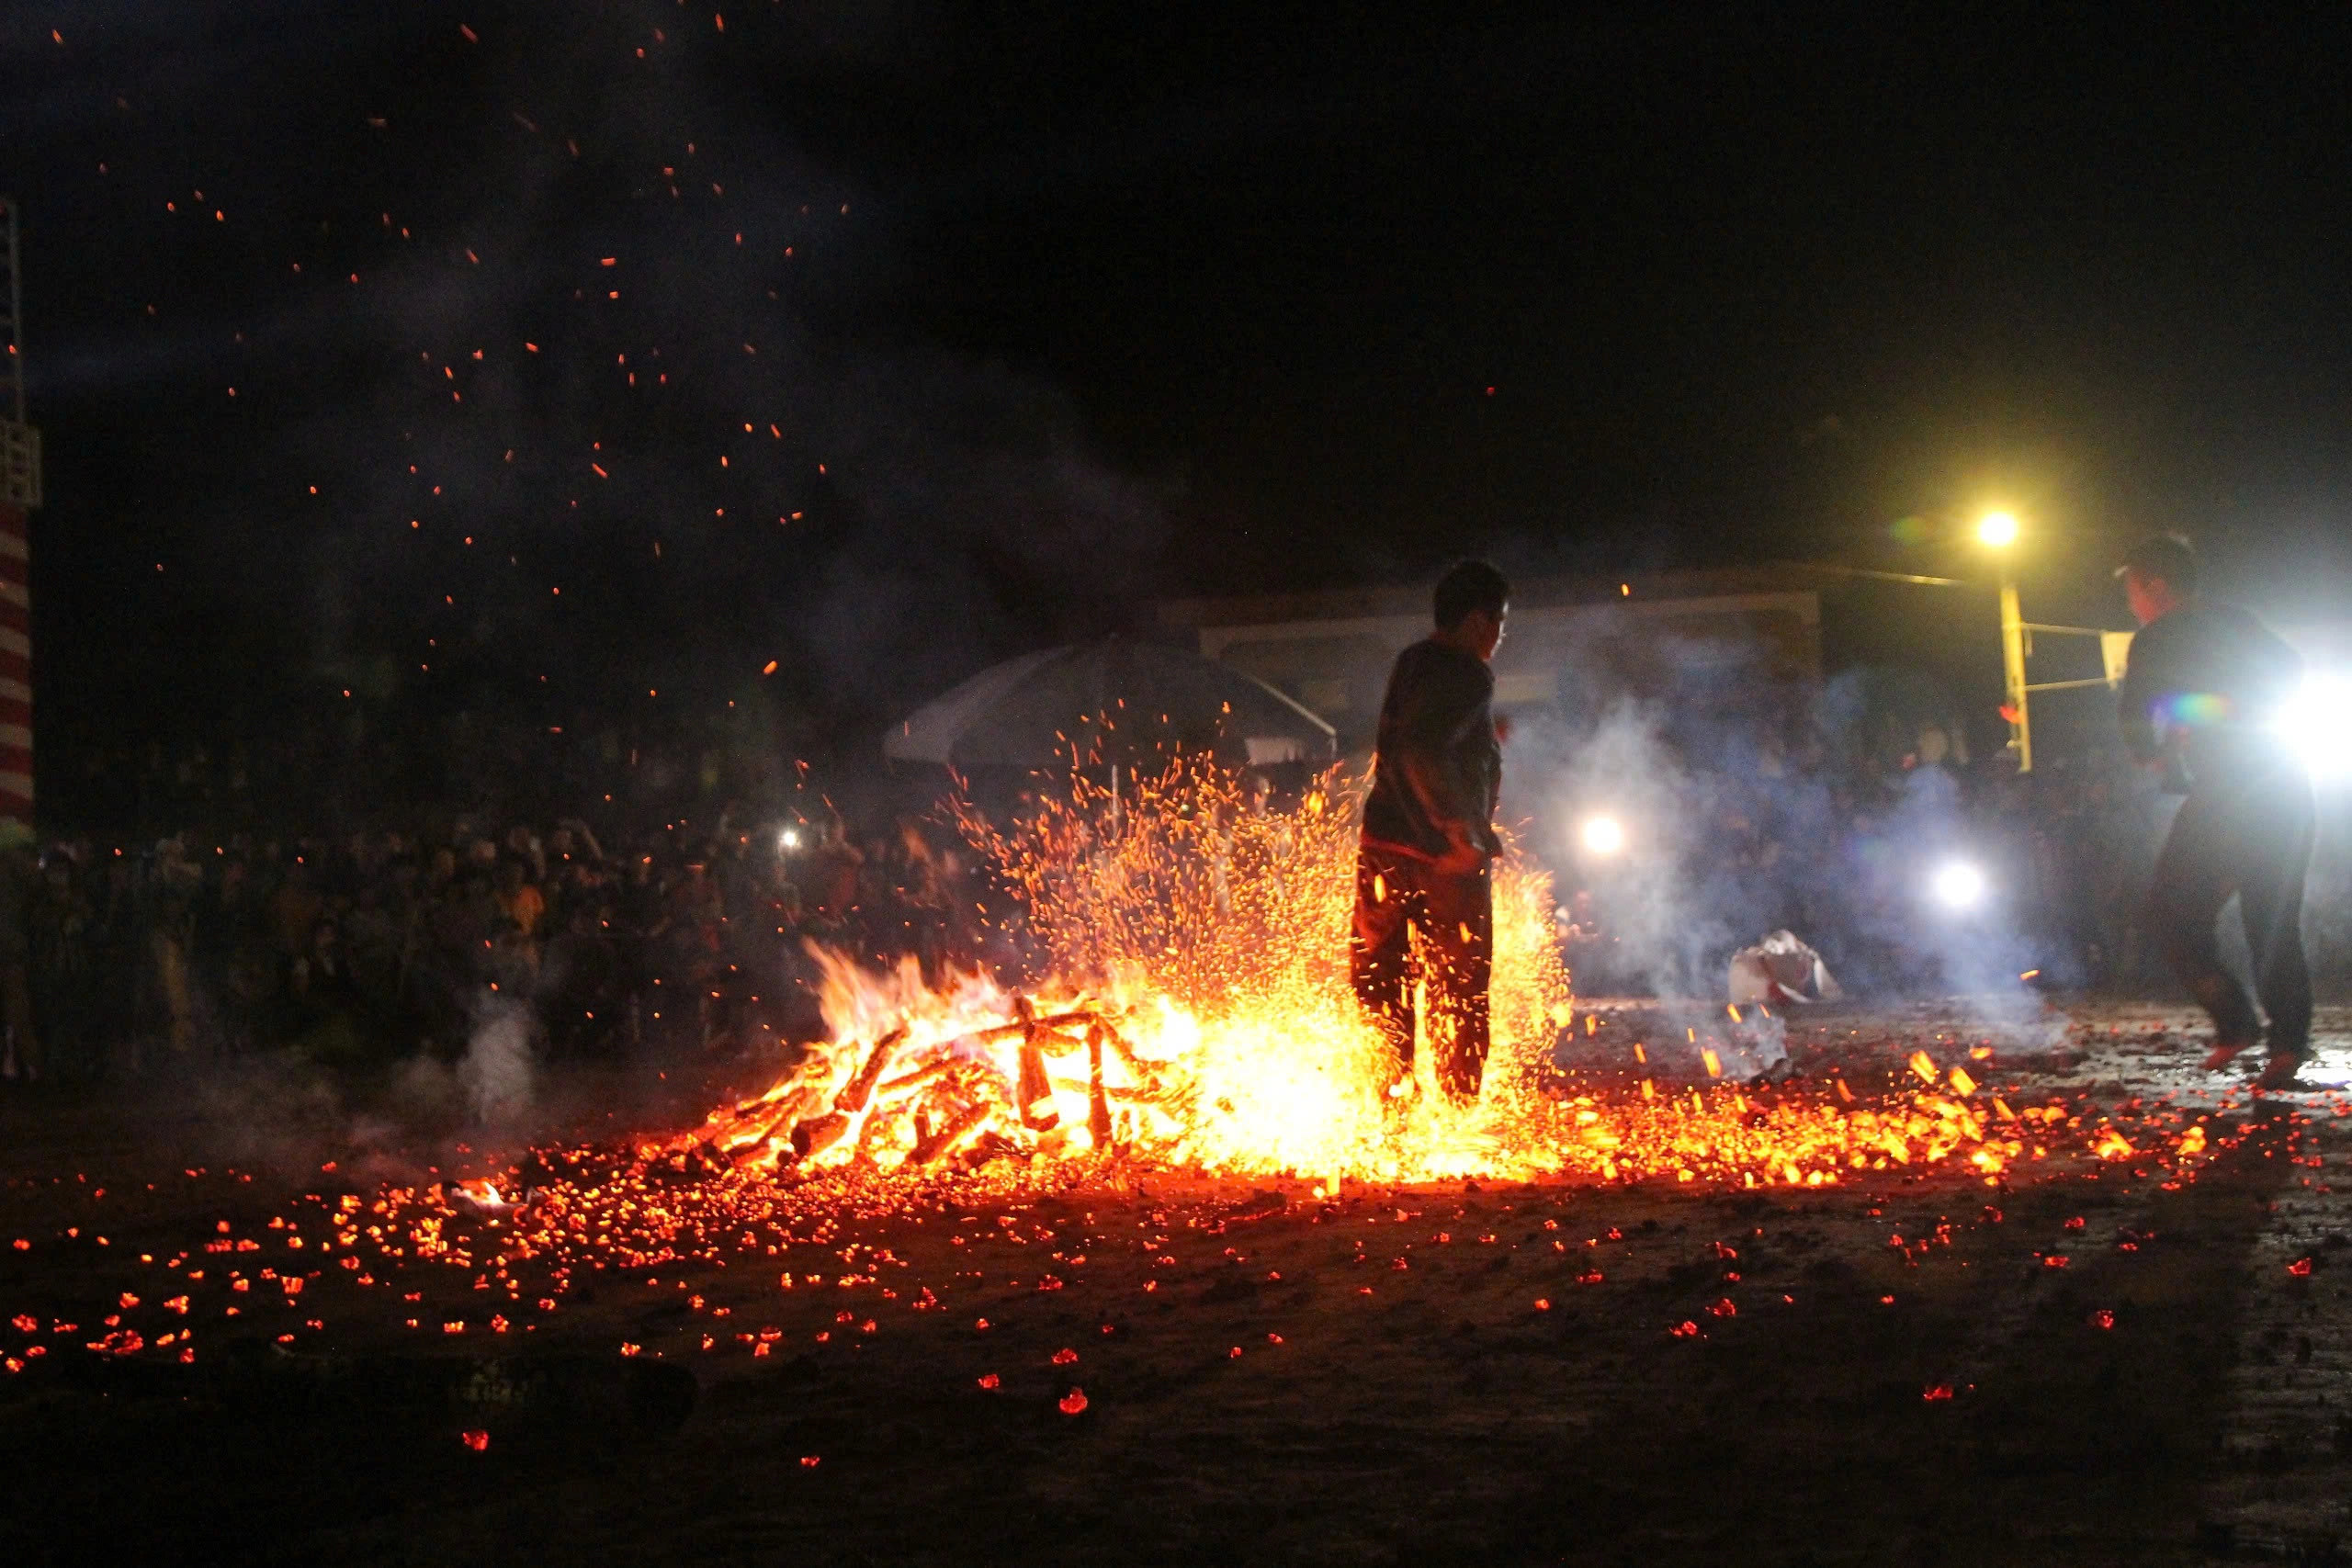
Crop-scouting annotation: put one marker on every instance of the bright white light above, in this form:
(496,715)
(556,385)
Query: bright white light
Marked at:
(788,840)
(2318,724)
(1998,529)
(1603,835)
(1958,885)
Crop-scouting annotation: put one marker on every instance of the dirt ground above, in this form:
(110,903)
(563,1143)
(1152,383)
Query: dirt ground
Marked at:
(2084,1363)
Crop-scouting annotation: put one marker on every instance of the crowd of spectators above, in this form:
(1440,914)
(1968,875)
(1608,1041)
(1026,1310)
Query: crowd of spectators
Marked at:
(371,947)
(366,946)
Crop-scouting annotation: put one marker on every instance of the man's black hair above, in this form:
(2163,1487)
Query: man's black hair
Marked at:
(2166,557)
(1466,586)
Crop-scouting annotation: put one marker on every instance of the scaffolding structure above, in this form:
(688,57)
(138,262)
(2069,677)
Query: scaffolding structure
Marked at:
(19,494)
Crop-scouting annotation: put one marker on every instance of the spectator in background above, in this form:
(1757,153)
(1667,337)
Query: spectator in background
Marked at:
(61,961)
(519,898)
(834,871)
(175,886)
(20,1057)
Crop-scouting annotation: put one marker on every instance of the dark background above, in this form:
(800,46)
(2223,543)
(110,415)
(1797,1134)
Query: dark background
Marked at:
(1041,314)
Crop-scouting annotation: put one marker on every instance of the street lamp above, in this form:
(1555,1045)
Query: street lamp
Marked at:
(1997,531)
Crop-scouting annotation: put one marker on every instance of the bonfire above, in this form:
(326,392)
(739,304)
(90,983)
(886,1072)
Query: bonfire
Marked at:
(1195,1014)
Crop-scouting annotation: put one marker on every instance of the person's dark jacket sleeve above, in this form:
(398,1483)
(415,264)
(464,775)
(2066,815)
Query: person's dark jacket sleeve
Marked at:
(2144,674)
(2217,677)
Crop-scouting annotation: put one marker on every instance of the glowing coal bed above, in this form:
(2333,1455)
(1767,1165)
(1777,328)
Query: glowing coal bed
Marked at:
(1209,1044)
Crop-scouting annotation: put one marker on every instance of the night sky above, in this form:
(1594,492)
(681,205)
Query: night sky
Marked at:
(575,359)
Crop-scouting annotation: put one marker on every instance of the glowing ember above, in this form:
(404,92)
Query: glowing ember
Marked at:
(1197,1022)
(1197,1015)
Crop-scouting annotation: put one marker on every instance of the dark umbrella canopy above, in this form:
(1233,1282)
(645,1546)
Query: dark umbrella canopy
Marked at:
(1103,702)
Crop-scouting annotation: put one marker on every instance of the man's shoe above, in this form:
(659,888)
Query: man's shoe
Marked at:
(2279,1073)
(2225,1053)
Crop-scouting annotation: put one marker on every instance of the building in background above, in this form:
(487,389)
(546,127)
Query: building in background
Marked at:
(1575,647)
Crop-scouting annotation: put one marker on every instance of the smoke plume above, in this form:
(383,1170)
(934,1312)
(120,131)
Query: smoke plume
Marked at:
(497,1073)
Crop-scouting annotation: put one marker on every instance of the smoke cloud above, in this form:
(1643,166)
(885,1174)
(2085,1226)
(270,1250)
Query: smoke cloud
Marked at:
(1740,816)
(498,1071)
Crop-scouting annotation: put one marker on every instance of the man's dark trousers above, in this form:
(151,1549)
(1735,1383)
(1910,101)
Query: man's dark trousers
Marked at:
(1403,903)
(2252,837)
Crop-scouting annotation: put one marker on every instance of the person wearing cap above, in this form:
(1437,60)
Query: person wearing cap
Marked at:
(2201,699)
(1429,836)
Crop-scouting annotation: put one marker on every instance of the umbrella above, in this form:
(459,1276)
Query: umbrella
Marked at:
(1106,699)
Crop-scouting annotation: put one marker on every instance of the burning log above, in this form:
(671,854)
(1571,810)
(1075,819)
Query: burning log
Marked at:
(747,1142)
(952,1085)
(936,1144)
(854,1094)
(818,1133)
(1145,1070)
(1035,1088)
(1098,1107)
(761,1152)
(994,1145)
(907,1083)
(1031,1022)
(694,1161)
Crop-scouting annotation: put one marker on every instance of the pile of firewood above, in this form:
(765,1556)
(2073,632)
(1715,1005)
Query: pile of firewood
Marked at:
(803,1123)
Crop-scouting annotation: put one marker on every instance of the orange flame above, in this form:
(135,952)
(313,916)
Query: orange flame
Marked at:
(1198,1015)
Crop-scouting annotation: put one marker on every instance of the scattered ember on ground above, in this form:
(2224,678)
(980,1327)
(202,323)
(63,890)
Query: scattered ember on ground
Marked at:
(1224,1065)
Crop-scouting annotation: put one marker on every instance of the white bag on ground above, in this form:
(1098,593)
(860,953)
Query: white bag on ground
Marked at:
(1781,968)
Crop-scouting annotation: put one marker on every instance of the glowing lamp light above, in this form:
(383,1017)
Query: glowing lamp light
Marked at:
(1997,529)
(2317,725)
(1958,885)
(1603,835)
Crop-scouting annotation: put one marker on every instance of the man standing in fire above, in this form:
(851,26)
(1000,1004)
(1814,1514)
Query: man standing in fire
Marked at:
(2203,699)
(1424,903)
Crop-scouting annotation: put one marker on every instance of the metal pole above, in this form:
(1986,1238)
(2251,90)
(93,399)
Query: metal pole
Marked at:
(2013,669)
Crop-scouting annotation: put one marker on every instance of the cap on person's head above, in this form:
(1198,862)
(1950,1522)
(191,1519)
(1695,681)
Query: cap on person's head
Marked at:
(2167,558)
(1466,586)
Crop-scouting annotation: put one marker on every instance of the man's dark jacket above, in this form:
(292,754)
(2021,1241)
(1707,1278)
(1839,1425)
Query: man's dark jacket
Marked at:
(1437,771)
(2216,679)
